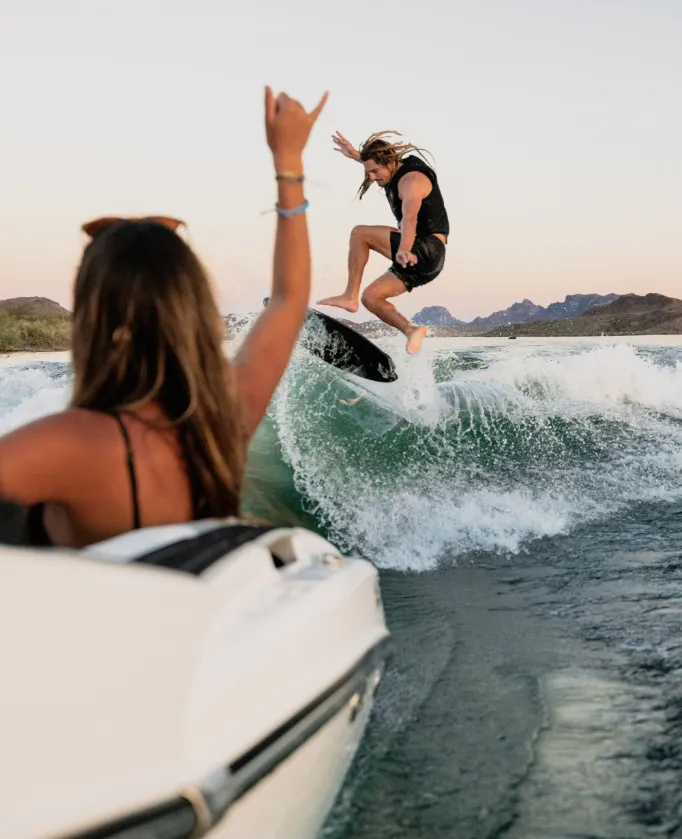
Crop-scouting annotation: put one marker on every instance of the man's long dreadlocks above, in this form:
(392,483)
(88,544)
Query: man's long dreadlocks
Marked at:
(386,153)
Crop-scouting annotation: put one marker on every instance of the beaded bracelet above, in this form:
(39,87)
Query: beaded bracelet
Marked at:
(294,211)
(289,176)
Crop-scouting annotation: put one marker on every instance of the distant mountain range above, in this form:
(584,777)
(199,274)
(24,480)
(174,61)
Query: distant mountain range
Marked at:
(629,314)
(524,312)
(579,314)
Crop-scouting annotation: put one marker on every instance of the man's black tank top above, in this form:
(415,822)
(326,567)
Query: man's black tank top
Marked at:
(432,216)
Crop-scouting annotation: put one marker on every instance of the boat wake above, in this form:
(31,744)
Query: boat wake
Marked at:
(468,451)
(499,453)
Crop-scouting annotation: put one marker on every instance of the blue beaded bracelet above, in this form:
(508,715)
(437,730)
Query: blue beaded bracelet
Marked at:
(294,211)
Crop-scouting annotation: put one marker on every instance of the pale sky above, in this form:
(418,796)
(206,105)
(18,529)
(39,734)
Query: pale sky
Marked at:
(556,126)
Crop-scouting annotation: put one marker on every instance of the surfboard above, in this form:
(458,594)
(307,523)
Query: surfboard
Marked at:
(341,346)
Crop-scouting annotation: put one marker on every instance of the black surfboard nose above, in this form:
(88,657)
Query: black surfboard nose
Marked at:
(341,346)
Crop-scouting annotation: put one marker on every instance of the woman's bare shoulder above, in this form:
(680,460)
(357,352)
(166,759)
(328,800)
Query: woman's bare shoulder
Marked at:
(72,424)
(39,460)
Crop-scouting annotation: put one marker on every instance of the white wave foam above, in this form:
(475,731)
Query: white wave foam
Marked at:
(612,376)
(31,391)
(623,446)
(418,399)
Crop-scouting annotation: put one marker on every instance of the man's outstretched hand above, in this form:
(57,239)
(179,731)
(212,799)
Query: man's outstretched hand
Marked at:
(345,146)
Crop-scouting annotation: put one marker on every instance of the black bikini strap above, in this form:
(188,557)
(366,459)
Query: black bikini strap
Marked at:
(131,471)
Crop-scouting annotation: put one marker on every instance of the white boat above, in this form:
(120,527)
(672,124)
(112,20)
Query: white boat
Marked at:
(211,679)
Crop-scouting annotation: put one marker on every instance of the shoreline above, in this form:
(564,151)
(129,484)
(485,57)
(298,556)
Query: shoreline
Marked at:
(33,355)
(14,356)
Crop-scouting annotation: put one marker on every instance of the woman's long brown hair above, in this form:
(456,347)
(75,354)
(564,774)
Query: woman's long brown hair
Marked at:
(146,328)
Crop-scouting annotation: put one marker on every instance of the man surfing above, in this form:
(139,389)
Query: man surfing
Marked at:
(416,249)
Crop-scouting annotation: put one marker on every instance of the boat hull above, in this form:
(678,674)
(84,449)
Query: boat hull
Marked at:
(166,676)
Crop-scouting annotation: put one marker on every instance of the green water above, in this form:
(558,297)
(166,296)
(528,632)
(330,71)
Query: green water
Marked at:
(524,505)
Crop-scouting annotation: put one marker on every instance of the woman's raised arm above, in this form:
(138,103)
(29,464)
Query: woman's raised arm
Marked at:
(265,352)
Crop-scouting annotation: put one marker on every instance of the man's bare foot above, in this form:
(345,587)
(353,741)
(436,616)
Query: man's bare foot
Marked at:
(414,339)
(342,301)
